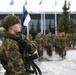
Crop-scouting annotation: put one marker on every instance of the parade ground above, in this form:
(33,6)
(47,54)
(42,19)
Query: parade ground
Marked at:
(55,65)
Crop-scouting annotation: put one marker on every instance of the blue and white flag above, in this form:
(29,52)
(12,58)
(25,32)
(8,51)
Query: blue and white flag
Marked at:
(12,2)
(25,17)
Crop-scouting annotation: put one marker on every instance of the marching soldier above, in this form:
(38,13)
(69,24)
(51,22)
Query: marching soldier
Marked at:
(63,45)
(39,40)
(73,40)
(56,43)
(49,44)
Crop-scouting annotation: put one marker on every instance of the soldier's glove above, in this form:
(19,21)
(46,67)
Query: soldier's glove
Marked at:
(23,45)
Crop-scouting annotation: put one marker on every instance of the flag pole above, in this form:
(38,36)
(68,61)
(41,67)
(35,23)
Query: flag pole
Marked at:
(41,22)
(27,30)
(55,22)
(40,3)
(12,3)
(55,17)
(12,12)
(44,23)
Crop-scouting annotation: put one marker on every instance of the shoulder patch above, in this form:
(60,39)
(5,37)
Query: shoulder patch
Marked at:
(13,56)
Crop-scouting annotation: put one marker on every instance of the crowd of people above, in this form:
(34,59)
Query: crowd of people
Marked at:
(59,43)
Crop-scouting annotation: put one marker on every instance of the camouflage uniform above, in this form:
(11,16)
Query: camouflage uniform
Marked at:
(63,45)
(69,36)
(49,44)
(44,42)
(32,43)
(11,57)
(56,44)
(39,40)
(13,47)
(73,40)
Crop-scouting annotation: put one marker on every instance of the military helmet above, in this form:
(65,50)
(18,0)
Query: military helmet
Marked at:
(10,20)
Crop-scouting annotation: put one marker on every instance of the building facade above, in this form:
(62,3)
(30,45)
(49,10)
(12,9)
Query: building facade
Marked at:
(41,22)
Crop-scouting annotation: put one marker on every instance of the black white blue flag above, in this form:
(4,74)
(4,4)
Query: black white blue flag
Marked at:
(25,17)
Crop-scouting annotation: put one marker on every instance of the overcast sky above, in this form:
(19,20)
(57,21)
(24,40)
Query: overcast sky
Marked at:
(33,5)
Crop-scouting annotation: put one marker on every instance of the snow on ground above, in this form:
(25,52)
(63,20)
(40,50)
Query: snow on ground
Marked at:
(56,66)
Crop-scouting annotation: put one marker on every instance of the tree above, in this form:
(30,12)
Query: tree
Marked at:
(64,22)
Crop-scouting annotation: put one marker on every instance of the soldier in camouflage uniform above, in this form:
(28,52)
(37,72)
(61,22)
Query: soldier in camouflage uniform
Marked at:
(49,44)
(69,36)
(39,40)
(63,45)
(56,43)
(10,55)
(73,40)
(31,41)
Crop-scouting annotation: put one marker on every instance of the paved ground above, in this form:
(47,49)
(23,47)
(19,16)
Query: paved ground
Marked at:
(2,71)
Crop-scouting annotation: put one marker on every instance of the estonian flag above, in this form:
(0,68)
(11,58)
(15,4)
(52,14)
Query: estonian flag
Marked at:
(25,17)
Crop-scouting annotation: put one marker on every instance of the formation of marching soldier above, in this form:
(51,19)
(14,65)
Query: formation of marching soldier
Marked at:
(59,43)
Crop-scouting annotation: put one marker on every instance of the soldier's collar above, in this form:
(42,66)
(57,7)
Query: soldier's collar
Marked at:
(9,35)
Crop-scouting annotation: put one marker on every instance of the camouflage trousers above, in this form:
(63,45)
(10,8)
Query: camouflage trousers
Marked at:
(49,50)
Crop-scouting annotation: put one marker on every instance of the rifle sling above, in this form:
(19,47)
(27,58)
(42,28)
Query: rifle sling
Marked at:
(32,57)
